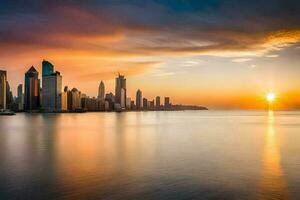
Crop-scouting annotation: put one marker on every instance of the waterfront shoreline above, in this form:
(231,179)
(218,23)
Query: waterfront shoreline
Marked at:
(113,111)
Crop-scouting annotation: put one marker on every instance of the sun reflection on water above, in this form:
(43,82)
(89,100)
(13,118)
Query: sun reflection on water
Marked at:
(273,185)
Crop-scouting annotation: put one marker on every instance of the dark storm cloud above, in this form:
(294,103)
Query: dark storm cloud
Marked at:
(149,27)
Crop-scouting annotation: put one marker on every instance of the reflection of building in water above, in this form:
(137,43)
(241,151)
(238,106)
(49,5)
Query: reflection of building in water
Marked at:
(273,185)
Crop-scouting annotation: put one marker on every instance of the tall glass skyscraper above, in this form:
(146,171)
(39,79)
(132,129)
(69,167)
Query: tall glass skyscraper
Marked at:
(9,96)
(76,104)
(20,97)
(139,99)
(32,90)
(167,102)
(3,89)
(120,91)
(52,88)
(101,91)
(157,102)
(47,68)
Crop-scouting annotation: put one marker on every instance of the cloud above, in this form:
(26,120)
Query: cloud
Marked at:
(164,74)
(113,68)
(240,60)
(272,56)
(191,63)
(80,32)
(127,28)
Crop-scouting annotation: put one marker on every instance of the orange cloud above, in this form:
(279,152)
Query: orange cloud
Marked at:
(111,71)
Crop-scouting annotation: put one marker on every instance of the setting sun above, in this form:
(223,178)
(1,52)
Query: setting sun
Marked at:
(270,97)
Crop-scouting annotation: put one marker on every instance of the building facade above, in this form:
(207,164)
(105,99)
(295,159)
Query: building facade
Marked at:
(47,68)
(3,79)
(138,100)
(9,97)
(64,100)
(52,90)
(128,103)
(20,97)
(157,102)
(110,101)
(101,91)
(120,91)
(167,103)
(32,90)
(151,105)
(145,103)
(123,98)
(75,100)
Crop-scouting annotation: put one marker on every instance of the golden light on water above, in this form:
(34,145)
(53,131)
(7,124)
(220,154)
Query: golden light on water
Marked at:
(273,184)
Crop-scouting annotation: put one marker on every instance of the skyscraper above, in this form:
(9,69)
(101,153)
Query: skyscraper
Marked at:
(76,100)
(9,97)
(48,68)
(128,103)
(120,91)
(157,102)
(139,99)
(132,105)
(123,98)
(167,102)
(64,99)
(101,91)
(145,103)
(32,90)
(20,97)
(109,101)
(151,105)
(52,88)
(69,99)
(3,89)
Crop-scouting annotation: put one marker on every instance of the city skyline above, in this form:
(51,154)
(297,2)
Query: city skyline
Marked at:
(46,94)
(222,54)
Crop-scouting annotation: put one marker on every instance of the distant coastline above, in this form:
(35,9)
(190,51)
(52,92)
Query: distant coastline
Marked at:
(175,108)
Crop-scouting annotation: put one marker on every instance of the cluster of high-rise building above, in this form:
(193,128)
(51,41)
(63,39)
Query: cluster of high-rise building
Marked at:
(47,95)
(6,96)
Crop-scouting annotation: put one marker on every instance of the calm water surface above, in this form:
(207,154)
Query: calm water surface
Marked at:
(151,155)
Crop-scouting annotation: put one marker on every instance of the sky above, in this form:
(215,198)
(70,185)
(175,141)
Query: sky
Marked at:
(223,54)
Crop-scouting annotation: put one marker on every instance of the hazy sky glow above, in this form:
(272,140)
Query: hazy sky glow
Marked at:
(218,53)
